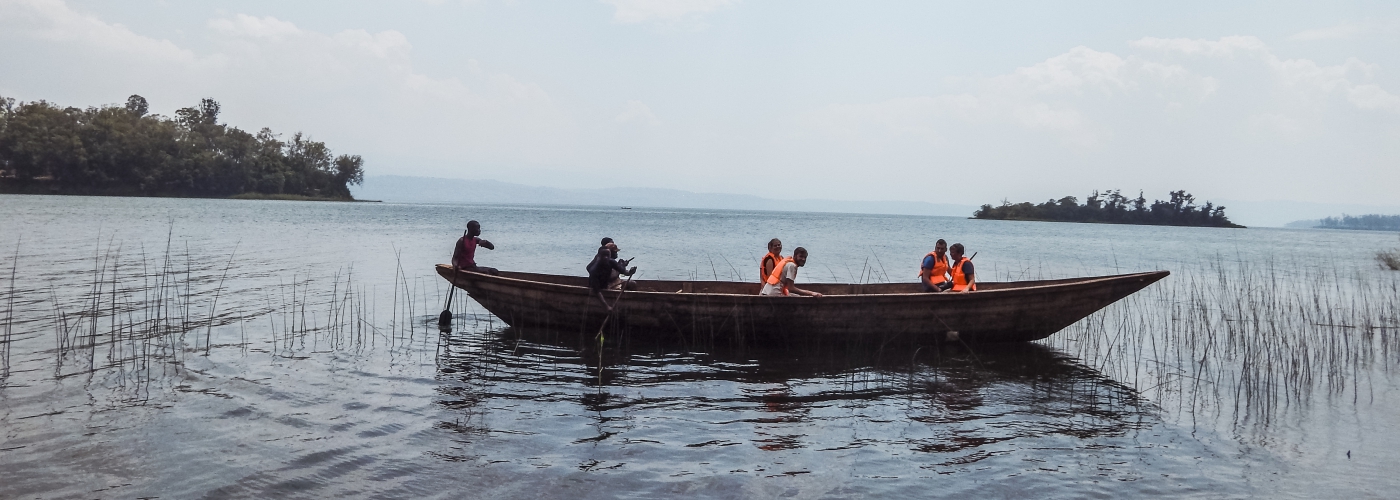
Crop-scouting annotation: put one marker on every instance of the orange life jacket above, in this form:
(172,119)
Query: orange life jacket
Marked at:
(960,280)
(776,278)
(763,275)
(940,268)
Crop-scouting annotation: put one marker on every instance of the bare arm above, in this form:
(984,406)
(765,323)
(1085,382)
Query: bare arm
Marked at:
(799,291)
(971,282)
(485,243)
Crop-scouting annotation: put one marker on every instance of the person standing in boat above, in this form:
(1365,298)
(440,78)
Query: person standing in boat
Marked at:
(933,273)
(464,255)
(770,261)
(780,282)
(606,271)
(961,270)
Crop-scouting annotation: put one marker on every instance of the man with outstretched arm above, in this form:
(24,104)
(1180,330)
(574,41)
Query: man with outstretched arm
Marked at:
(606,271)
(464,255)
(933,273)
(961,270)
(780,282)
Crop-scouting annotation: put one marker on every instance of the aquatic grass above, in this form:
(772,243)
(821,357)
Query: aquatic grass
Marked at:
(8,339)
(1390,259)
(1245,345)
(1235,342)
(130,323)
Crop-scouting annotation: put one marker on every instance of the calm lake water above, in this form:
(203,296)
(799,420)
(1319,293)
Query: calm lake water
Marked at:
(217,348)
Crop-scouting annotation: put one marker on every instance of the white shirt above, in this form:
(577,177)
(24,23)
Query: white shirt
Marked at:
(789,273)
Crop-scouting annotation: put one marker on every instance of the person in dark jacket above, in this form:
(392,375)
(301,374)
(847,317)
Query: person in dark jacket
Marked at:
(605,271)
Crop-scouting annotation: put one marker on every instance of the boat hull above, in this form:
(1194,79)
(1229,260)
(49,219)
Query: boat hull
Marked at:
(727,311)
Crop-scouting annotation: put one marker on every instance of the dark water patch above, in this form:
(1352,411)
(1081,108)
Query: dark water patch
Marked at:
(383,430)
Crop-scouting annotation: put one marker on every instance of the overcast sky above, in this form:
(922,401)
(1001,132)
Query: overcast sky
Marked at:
(957,102)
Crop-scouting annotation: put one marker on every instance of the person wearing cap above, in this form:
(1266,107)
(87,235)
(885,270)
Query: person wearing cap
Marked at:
(605,271)
(464,255)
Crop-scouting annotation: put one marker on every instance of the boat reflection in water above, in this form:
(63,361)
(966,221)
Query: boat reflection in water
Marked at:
(851,410)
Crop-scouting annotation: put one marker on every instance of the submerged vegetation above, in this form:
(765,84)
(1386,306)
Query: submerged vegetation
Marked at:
(1369,222)
(1113,208)
(122,150)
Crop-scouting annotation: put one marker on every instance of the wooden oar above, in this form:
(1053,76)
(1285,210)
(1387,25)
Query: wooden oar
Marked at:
(445,318)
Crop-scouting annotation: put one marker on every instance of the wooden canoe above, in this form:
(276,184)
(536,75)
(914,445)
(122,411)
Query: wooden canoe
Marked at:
(1017,311)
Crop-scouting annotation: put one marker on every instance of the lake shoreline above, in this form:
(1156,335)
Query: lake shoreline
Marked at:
(36,187)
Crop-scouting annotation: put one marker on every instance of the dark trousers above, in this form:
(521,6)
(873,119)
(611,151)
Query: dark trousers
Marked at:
(483,270)
(938,287)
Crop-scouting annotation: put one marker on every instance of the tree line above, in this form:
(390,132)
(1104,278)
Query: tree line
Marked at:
(126,151)
(1113,208)
(1370,222)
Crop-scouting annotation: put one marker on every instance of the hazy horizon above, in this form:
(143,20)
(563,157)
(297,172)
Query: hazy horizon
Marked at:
(413,189)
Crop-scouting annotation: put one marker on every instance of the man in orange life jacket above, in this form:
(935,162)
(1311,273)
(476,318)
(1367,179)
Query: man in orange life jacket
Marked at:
(961,270)
(770,261)
(784,274)
(464,255)
(933,274)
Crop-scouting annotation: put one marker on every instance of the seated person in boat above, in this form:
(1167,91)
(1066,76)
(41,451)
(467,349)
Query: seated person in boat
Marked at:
(961,270)
(464,255)
(780,282)
(770,261)
(933,273)
(606,271)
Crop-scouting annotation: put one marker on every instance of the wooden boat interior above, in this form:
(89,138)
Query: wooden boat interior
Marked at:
(742,288)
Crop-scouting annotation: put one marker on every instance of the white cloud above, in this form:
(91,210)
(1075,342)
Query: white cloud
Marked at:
(637,11)
(1169,112)
(1044,97)
(637,112)
(253,27)
(1225,47)
(1345,30)
(53,20)
(357,90)
(1303,80)
(1373,97)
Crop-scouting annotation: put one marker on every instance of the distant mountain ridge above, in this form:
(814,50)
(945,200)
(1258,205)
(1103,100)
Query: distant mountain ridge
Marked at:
(396,188)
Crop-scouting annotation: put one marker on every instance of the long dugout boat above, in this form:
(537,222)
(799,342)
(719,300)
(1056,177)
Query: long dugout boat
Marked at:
(1018,311)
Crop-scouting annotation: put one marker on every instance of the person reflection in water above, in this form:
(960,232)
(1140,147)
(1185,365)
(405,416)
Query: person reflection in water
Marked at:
(605,271)
(464,255)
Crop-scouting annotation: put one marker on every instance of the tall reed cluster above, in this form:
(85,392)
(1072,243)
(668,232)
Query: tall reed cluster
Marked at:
(1245,344)
(1390,259)
(134,319)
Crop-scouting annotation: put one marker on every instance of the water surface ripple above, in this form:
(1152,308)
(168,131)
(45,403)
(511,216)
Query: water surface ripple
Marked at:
(233,349)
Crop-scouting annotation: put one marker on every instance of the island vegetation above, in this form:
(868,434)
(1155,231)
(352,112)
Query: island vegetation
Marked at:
(1112,207)
(123,150)
(1369,222)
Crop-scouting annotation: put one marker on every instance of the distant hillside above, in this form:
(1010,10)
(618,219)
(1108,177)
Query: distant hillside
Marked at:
(393,188)
(1369,222)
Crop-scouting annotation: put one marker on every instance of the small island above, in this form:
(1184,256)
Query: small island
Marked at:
(1113,208)
(123,151)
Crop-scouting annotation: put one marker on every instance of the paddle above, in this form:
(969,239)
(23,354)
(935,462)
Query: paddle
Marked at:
(445,318)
